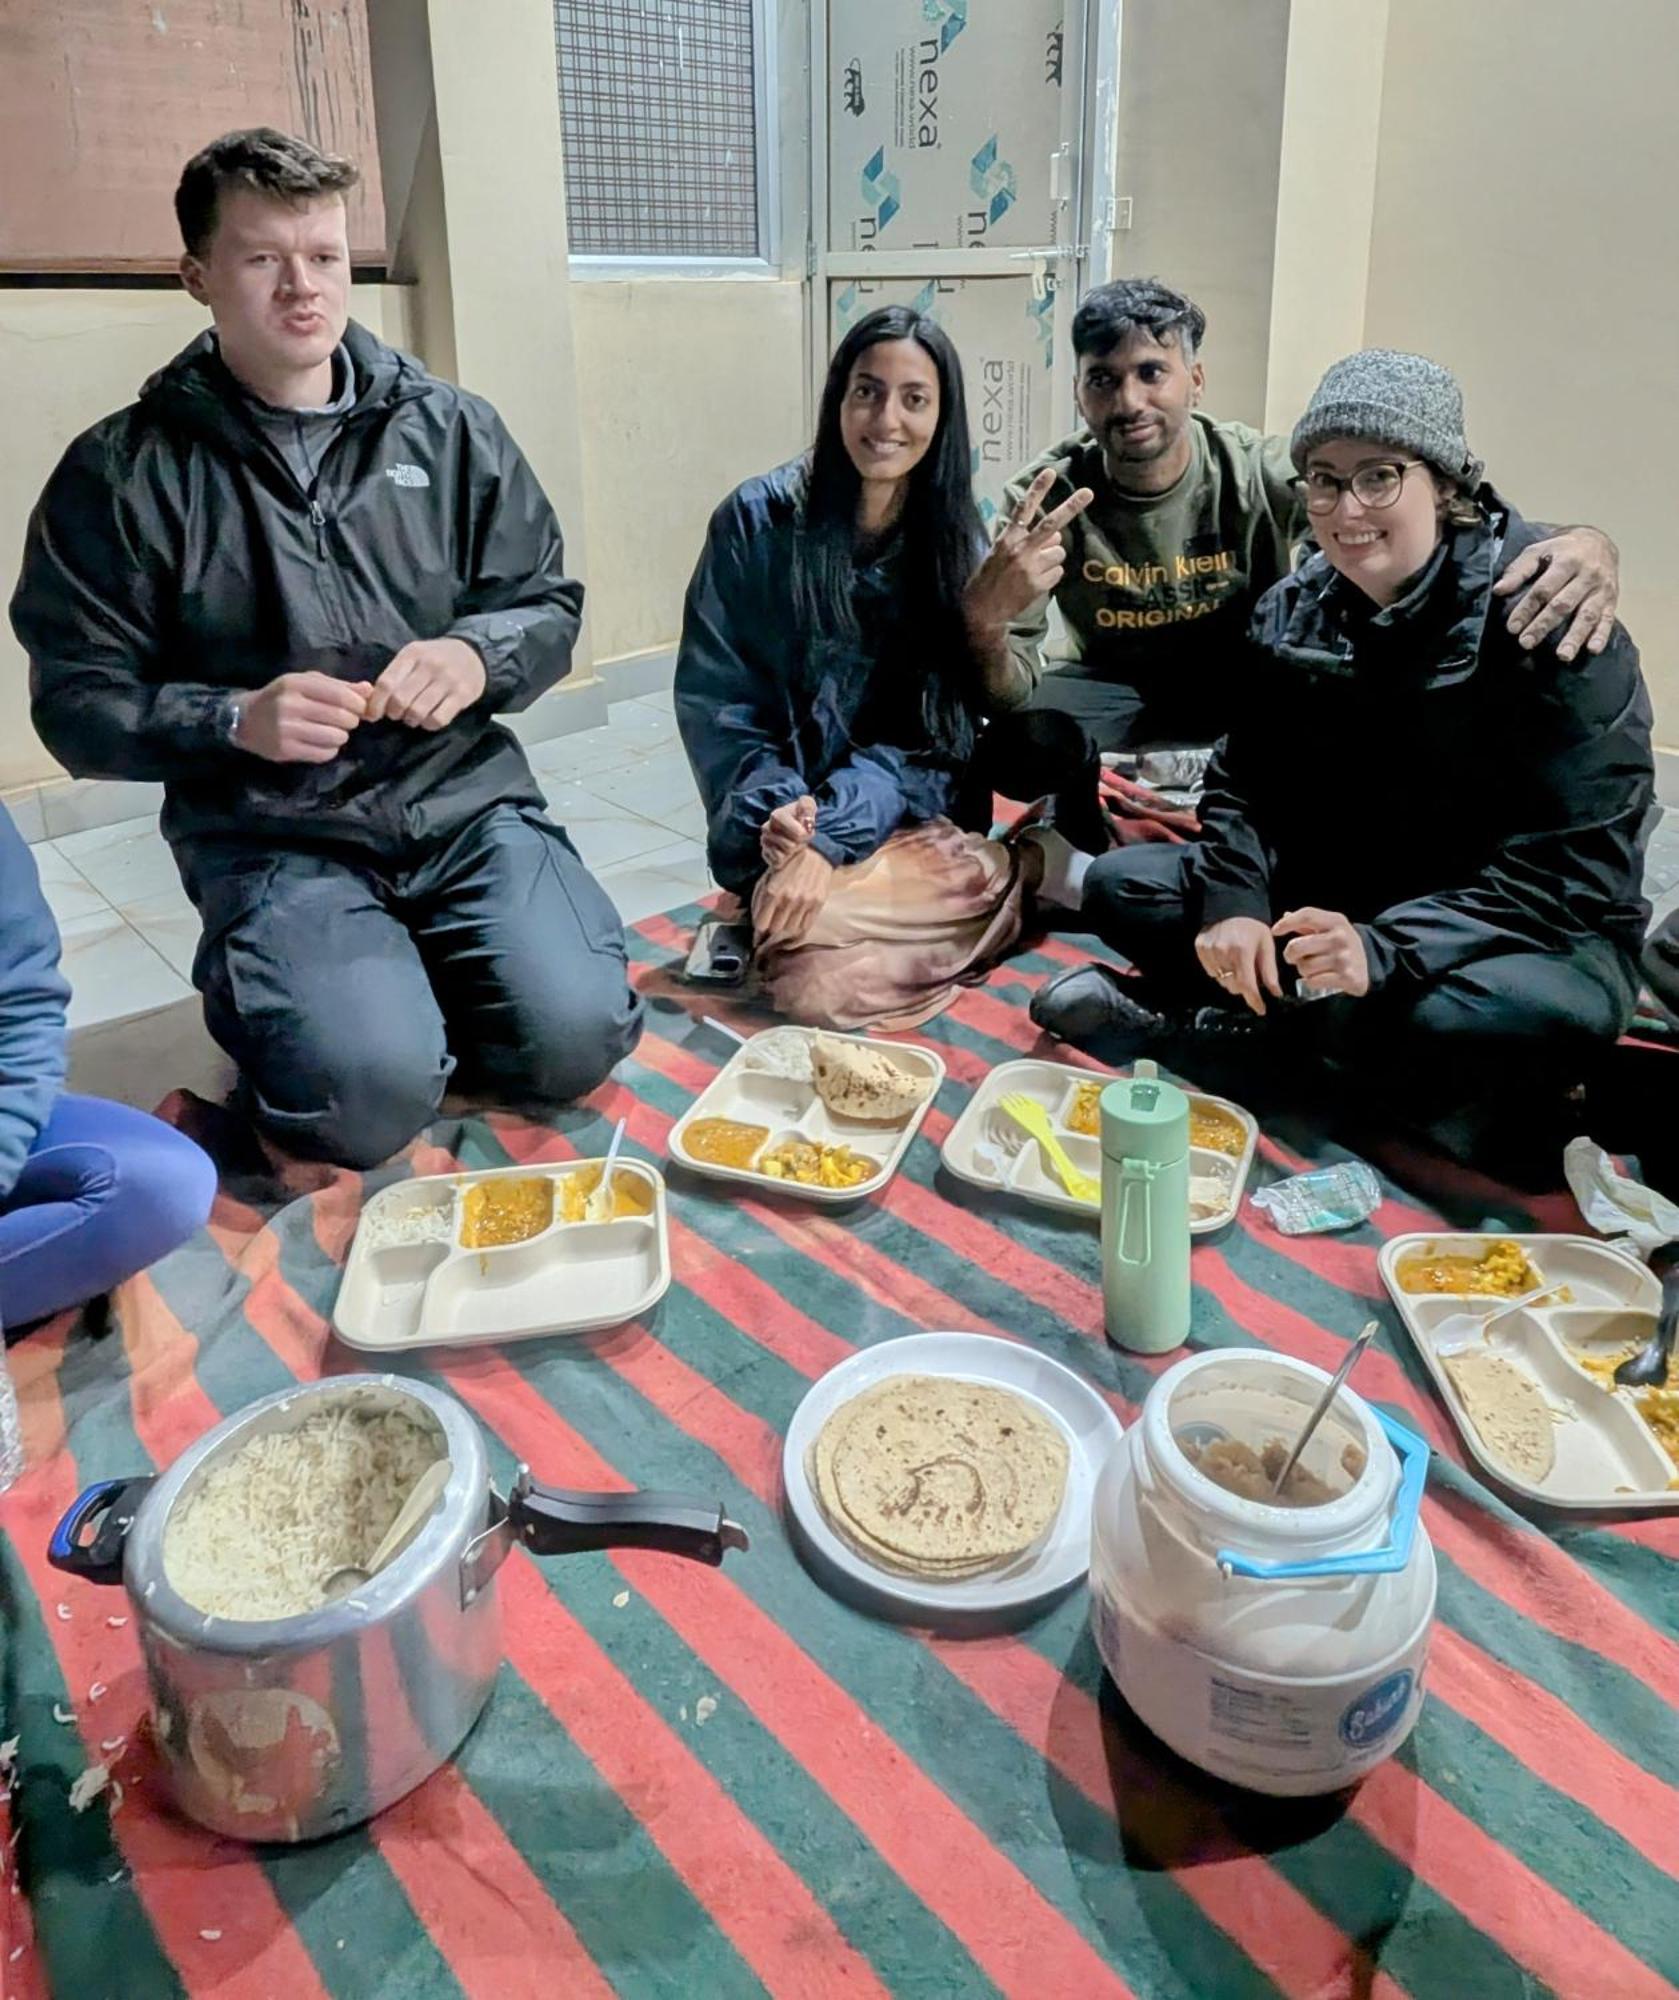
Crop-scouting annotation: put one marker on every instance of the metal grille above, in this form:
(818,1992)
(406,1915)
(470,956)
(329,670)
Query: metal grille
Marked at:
(660,127)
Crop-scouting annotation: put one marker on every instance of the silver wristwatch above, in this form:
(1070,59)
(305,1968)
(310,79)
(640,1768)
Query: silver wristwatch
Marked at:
(233,709)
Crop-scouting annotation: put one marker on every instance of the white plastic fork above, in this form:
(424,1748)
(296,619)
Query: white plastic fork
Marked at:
(1458,1332)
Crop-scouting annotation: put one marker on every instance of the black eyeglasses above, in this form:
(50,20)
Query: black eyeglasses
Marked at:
(1376,485)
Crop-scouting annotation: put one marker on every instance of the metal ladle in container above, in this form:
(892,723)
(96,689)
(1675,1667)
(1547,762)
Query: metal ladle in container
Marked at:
(422,1497)
(1348,1362)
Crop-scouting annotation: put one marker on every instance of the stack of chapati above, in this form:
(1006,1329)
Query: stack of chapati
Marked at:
(937,1478)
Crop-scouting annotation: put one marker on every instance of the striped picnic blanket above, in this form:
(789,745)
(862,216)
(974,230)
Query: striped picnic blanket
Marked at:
(705,1784)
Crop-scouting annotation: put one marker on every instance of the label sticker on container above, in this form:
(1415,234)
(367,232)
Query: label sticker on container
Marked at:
(1262,1717)
(1377,1711)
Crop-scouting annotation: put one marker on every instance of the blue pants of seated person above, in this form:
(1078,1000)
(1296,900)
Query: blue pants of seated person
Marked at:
(104,1192)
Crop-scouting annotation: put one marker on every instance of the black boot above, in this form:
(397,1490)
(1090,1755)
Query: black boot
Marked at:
(1094,1004)
(1215,1027)
(1089,1003)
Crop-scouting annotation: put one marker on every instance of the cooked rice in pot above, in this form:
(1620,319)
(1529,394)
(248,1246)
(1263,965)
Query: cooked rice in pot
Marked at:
(268,1524)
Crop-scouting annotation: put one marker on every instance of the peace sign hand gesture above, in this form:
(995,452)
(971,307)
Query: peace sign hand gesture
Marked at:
(1027,558)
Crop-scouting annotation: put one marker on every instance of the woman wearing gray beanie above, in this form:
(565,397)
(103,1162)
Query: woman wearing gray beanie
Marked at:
(1413,820)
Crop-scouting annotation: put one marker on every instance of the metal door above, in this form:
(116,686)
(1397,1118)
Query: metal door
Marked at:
(960,150)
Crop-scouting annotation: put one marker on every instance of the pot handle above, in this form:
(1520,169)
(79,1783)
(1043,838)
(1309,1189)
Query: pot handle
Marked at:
(552,1521)
(112,1504)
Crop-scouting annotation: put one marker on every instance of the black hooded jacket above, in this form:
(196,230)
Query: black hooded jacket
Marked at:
(1414,769)
(174,558)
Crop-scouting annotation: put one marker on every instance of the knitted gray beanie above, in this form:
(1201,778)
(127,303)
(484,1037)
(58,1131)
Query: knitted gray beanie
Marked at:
(1390,398)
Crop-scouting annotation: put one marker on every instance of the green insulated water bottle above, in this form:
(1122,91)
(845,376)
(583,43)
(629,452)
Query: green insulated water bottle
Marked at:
(1145,1212)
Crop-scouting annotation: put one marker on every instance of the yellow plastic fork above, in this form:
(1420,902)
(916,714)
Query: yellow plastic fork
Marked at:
(1032,1117)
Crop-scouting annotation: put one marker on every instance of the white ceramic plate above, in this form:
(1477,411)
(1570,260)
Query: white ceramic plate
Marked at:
(575,1277)
(789,1110)
(988,1150)
(1057,1563)
(1607,1458)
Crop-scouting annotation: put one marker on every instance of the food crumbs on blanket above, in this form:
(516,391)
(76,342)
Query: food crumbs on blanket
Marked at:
(210,1937)
(683,1711)
(97,1691)
(62,1715)
(63,1612)
(88,1786)
(16,1955)
(116,1624)
(704,1709)
(8,1756)
(113,1743)
(621,1599)
(117,1875)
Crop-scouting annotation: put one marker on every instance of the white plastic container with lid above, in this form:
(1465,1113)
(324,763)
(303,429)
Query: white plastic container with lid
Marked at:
(1280,1648)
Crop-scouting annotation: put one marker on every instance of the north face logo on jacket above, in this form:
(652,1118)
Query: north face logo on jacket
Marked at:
(407,475)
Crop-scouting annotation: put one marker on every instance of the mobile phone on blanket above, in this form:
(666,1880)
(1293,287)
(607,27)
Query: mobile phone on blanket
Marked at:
(720,953)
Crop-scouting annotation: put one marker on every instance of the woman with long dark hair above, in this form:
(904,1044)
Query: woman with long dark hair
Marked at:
(829,696)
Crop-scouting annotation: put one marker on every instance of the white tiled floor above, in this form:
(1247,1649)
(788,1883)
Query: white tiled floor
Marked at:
(623,792)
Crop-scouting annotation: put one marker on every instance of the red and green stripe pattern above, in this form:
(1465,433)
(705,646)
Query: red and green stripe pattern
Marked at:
(867,1809)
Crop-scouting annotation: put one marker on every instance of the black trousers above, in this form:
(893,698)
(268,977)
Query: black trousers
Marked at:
(1516,1022)
(1025,753)
(349,990)
(1114,715)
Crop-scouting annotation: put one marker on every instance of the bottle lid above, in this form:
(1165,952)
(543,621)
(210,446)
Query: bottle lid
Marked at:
(1144,1118)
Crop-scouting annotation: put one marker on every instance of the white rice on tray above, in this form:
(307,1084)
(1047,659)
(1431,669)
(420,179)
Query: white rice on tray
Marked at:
(783,1052)
(390,1223)
(266,1527)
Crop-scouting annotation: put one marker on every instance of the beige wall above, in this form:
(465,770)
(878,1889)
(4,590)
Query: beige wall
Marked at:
(1326,194)
(1486,181)
(68,358)
(496,100)
(1200,129)
(1525,233)
(688,386)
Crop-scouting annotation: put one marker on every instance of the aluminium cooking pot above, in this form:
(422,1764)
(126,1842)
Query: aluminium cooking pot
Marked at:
(284,1729)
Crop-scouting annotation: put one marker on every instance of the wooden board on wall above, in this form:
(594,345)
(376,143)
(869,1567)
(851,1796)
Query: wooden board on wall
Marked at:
(103,101)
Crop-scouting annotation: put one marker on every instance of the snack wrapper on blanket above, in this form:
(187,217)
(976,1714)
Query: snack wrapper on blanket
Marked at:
(1338,1197)
(1614,1205)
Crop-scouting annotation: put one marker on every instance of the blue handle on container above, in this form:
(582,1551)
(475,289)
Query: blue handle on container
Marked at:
(1393,1555)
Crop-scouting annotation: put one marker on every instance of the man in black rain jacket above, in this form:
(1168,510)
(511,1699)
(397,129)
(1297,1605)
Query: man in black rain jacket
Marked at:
(296,582)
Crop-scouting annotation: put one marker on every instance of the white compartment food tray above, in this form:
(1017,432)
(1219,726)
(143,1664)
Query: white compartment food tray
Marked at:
(574,1277)
(792,1109)
(987,1149)
(1607,1458)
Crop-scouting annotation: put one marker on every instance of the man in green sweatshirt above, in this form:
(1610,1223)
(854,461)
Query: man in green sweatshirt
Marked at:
(1190,522)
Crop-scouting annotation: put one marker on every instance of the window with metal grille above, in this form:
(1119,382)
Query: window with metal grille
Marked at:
(664,126)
